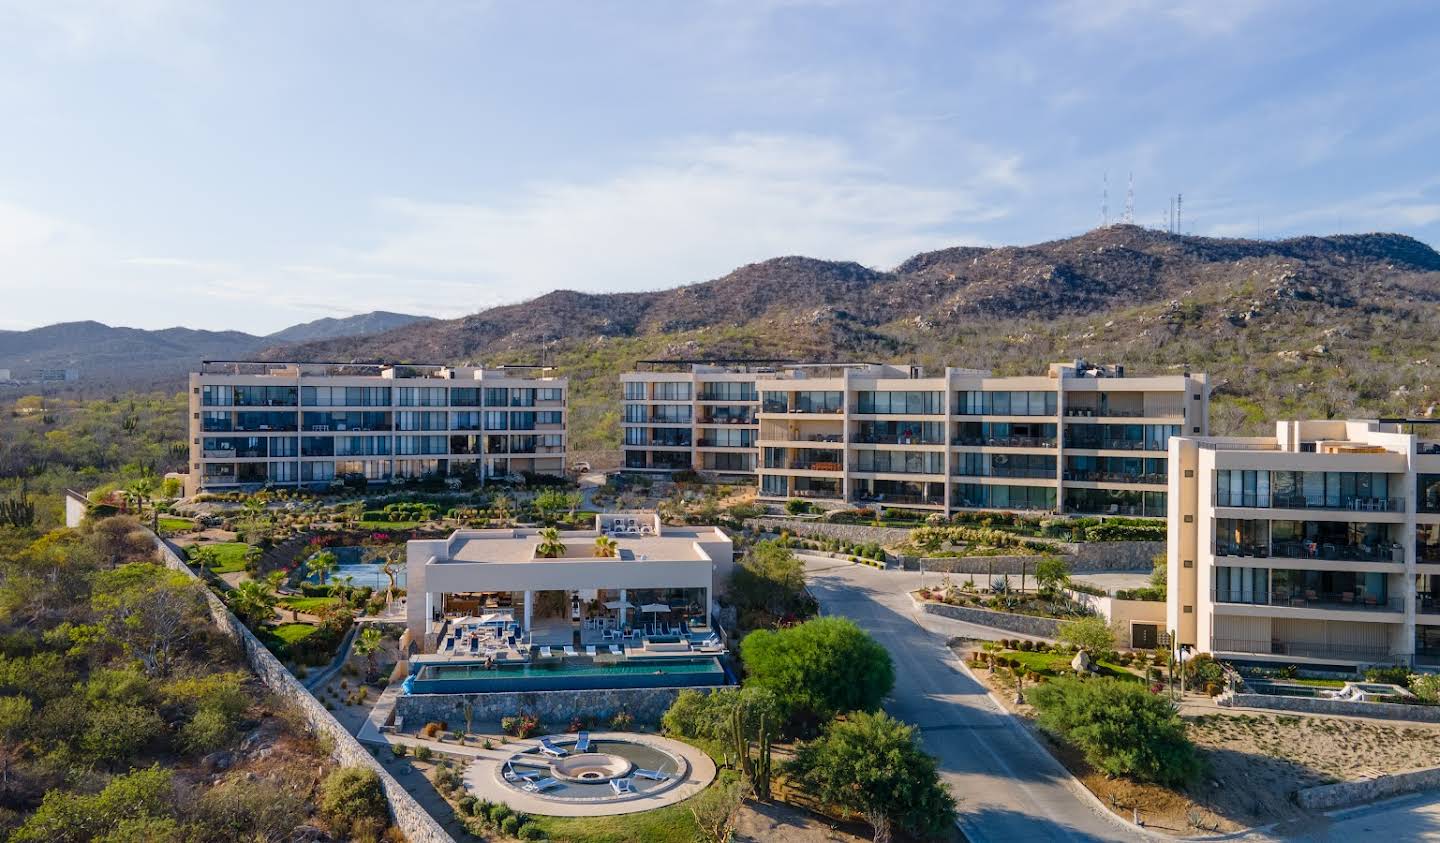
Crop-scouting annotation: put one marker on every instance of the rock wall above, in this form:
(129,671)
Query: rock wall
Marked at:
(857,533)
(1022,624)
(554,708)
(1344,794)
(1343,708)
(409,817)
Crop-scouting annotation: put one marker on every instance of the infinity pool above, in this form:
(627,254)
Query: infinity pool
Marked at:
(565,676)
(357,563)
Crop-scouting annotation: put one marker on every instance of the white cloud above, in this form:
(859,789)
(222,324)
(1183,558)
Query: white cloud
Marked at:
(702,208)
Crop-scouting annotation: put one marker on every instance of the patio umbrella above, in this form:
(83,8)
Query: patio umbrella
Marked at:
(655,607)
(619,604)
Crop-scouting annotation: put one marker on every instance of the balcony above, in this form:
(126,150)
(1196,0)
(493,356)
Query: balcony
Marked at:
(829,438)
(1379,552)
(898,500)
(1005,441)
(815,465)
(1005,471)
(821,494)
(1115,477)
(1348,652)
(1107,413)
(1348,503)
(1309,599)
(703,442)
(896,440)
(718,420)
(1427,553)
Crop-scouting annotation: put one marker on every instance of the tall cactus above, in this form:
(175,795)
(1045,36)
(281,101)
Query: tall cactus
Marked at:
(18,511)
(762,765)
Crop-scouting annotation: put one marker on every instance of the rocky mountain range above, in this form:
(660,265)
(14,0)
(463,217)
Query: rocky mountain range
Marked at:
(1310,326)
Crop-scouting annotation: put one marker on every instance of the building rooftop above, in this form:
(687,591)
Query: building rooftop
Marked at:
(518,544)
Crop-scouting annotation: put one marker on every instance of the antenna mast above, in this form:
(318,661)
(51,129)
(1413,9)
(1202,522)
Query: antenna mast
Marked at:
(1130,200)
(1105,200)
(1179,204)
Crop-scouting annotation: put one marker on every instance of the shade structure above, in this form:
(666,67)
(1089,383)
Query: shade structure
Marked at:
(655,607)
(619,604)
(497,618)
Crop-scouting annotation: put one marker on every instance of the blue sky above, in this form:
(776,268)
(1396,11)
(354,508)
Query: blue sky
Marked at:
(251,165)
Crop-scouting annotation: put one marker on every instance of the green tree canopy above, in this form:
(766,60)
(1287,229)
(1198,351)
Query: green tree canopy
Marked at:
(769,578)
(1121,727)
(1090,634)
(871,764)
(819,668)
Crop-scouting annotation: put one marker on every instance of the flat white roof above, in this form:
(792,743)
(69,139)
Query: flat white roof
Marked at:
(676,544)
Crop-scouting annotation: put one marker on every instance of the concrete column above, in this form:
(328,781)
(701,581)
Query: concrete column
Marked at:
(529,623)
(624,613)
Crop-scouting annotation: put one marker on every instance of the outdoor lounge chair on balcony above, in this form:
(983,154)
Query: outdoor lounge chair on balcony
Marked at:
(542,784)
(545,652)
(570,650)
(622,786)
(513,775)
(582,742)
(551,749)
(652,775)
(590,650)
(616,650)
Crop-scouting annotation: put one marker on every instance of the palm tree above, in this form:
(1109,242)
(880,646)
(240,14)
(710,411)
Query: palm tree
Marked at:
(501,506)
(275,579)
(367,644)
(253,602)
(550,546)
(606,547)
(323,563)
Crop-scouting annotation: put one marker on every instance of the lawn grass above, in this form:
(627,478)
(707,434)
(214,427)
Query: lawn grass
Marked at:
(309,605)
(292,633)
(671,824)
(1317,683)
(230,557)
(1058,664)
(171,524)
(389,525)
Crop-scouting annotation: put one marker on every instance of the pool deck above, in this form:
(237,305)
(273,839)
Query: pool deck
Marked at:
(482,782)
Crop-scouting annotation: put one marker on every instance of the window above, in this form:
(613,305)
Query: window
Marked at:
(671,391)
(908,403)
(522,397)
(418,420)
(322,396)
(634,390)
(216,395)
(728,438)
(497,396)
(775,402)
(635,413)
(728,391)
(496,420)
(550,394)
(671,413)
(422,396)
(265,396)
(670,437)
(465,396)
(522,421)
(310,471)
(469,420)
(1005,403)
(549,417)
(900,462)
(635,436)
(815,401)
(366,396)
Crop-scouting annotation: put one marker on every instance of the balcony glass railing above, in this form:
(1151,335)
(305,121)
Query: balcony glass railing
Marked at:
(1115,477)
(1427,552)
(1345,600)
(1275,647)
(1350,503)
(1003,471)
(899,500)
(815,465)
(896,439)
(1379,552)
(1006,441)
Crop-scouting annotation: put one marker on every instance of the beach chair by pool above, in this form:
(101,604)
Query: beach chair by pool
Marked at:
(615,650)
(582,742)
(622,786)
(545,652)
(570,650)
(541,784)
(474,646)
(514,775)
(551,749)
(653,775)
(590,650)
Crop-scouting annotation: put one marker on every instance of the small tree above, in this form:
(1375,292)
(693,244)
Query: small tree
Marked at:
(352,798)
(254,602)
(367,644)
(1051,574)
(872,764)
(1122,728)
(1090,634)
(392,562)
(502,507)
(818,669)
(1159,575)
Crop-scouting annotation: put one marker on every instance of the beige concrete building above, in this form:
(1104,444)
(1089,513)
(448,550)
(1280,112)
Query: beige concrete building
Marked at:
(473,572)
(1320,544)
(310,424)
(1078,439)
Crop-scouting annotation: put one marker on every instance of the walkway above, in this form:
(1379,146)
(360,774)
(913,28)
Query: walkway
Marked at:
(1009,788)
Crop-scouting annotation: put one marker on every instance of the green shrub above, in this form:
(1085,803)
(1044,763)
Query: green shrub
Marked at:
(467,805)
(1394,675)
(351,797)
(819,668)
(1122,728)
(498,812)
(531,832)
(510,825)
(423,753)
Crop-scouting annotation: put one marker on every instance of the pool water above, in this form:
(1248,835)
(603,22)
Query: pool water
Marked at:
(565,676)
(1286,689)
(358,562)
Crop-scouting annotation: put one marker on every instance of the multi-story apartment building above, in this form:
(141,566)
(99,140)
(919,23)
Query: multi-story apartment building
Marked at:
(308,424)
(1320,544)
(682,415)
(1080,439)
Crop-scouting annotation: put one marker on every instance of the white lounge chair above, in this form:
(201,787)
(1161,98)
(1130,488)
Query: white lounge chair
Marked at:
(570,650)
(551,749)
(582,742)
(513,775)
(542,784)
(652,775)
(590,650)
(545,652)
(615,650)
(622,786)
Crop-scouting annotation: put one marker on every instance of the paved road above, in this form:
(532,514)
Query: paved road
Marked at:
(1009,788)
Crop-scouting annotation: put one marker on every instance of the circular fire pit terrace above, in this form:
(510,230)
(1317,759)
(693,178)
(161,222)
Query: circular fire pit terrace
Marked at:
(591,767)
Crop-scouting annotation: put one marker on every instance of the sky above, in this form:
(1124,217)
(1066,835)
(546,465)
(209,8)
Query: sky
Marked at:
(250,165)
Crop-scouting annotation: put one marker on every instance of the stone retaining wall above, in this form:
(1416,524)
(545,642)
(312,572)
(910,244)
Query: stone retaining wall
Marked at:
(1328,797)
(409,817)
(554,708)
(1343,708)
(1022,624)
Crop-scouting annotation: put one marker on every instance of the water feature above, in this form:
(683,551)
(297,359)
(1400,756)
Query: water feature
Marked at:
(565,675)
(363,565)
